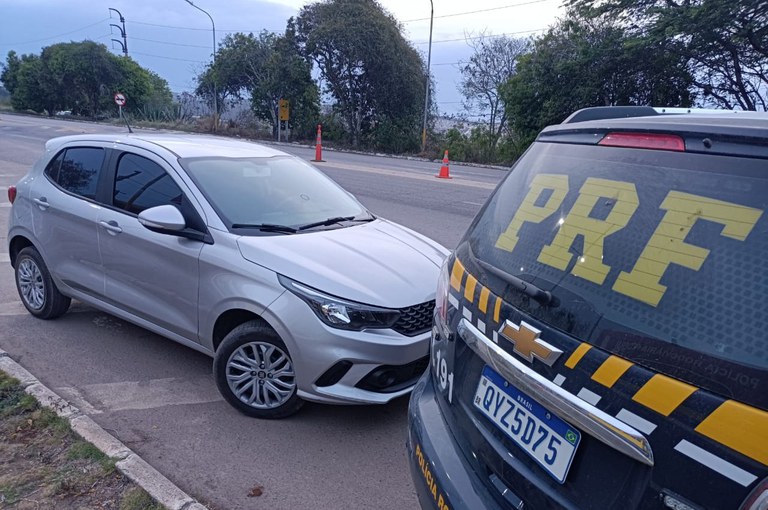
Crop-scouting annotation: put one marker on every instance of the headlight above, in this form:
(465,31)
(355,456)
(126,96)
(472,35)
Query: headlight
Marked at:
(341,313)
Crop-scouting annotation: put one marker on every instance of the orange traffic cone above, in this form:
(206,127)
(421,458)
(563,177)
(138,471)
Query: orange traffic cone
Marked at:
(444,171)
(319,145)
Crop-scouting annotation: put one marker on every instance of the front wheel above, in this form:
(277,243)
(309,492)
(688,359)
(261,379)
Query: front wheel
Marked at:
(254,372)
(37,290)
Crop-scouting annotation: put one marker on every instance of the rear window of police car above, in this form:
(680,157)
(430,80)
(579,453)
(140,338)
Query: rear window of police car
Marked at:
(657,256)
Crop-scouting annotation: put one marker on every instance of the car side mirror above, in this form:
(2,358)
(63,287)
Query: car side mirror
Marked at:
(163,218)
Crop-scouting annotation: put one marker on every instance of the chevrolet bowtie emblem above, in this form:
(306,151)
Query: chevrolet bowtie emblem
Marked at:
(527,342)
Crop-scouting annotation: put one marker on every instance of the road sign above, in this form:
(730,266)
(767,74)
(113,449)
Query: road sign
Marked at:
(119,99)
(285,111)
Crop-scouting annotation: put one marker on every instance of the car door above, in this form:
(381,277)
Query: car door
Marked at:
(151,275)
(65,216)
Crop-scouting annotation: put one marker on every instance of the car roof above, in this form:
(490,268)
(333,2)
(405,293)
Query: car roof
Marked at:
(740,124)
(182,145)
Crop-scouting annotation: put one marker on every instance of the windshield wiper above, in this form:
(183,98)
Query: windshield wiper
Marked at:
(329,221)
(543,297)
(266,227)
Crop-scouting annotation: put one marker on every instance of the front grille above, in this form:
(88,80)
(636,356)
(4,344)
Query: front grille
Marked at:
(415,319)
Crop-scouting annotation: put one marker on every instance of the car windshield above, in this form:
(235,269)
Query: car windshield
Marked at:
(274,194)
(657,256)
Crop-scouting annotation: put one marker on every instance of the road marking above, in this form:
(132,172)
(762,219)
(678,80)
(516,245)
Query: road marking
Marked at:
(15,308)
(471,203)
(152,394)
(409,175)
(715,463)
(74,397)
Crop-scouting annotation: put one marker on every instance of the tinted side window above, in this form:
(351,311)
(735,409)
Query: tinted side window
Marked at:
(141,184)
(79,171)
(52,170)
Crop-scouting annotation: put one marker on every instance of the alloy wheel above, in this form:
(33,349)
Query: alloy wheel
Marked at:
(31,284)
(261,375)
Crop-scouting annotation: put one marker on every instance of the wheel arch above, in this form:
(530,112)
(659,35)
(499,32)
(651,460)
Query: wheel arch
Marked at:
(232,318)
(17,243)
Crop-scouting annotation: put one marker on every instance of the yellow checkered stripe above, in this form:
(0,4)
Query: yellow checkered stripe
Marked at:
(733,424)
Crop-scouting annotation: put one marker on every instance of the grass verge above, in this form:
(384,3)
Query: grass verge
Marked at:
(44,464)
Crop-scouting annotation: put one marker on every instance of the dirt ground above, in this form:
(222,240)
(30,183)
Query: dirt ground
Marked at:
(44,465)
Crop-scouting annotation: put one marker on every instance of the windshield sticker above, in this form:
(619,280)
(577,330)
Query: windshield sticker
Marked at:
(619,201)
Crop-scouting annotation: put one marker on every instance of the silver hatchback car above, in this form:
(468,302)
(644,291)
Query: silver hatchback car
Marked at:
(236,250)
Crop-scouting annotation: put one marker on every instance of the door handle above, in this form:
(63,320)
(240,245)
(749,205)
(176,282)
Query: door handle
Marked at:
(42,203)
(111,226)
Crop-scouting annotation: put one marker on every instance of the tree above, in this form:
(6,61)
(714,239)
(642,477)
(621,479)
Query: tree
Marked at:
(265,69)
(725,43)
(24,79)
(487,70)
(286,75)
(591,62)
(81,77)
(376,78)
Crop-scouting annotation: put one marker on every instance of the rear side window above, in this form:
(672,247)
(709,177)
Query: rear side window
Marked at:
(77,170)
(141,183)
(656,256)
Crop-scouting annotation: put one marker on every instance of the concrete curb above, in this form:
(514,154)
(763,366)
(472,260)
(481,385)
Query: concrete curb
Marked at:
(128,463)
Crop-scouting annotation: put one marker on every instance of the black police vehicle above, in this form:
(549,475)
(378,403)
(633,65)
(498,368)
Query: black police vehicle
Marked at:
(599,337)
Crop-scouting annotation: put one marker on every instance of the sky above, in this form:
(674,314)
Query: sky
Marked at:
(173,39)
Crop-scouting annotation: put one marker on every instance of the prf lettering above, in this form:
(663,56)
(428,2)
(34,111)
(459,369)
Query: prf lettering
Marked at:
(666,245)
(442,504)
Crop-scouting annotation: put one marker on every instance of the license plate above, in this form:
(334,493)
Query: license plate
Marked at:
(546,438)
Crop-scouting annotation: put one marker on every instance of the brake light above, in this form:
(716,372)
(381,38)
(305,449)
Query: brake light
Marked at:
(441,296)
(658,141)
(11,193)
(758,500)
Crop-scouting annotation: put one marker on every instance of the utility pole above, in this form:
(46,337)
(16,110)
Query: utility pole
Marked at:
(124,44)
(213,74)
(426,96)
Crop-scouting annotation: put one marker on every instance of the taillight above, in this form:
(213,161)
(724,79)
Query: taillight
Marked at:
(758,500)
(11,193)
(441,296)
(644,141)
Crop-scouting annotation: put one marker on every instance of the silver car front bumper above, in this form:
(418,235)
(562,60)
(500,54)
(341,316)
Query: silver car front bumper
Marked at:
(315,348)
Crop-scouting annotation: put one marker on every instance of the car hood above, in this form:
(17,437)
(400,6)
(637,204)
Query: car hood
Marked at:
(378,263)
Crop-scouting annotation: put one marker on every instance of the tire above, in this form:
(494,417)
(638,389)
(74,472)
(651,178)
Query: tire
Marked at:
(254,372)
(37,291)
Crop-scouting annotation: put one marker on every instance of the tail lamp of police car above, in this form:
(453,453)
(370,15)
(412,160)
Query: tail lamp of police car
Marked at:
(441,302)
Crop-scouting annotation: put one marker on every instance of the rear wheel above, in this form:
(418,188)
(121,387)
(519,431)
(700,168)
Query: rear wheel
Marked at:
(254,372)
(36,289)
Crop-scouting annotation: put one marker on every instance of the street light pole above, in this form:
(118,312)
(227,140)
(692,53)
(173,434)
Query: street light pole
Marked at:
(426,96)
(213,74)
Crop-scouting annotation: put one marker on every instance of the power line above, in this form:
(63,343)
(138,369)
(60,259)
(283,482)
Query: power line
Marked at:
(479,11)
(483,36)
(170,58)
(59,35)
(176,27)
(171,43)
(168,26)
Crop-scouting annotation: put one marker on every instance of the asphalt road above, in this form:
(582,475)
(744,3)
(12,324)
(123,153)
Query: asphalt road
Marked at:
(160,398)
